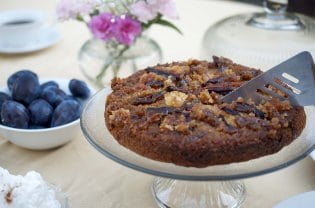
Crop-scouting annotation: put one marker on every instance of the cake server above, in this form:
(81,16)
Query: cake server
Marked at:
(295,78)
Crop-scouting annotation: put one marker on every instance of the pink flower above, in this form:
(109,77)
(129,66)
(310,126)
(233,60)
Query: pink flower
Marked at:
(106,26)
(70,9)
(64,10)
(126,29)
(165,7)
(143,11)
(148,10)
(101,26)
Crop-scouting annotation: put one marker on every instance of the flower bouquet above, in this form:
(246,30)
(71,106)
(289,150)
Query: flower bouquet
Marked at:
(117,23)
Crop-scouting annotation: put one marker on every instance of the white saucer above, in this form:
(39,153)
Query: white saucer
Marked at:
(305,200)
(47,37)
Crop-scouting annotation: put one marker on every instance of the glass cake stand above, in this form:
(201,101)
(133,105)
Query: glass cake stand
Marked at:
(177,186)
(260,40)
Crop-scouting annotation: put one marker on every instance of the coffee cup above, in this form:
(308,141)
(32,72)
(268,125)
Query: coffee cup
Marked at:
(18,27)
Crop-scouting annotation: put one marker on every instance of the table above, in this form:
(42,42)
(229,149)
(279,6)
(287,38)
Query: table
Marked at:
(89,178)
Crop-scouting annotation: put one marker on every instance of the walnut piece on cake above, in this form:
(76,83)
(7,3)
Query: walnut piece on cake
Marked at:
(175,98)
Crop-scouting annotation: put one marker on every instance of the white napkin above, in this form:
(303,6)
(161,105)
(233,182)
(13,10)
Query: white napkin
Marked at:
(313,155)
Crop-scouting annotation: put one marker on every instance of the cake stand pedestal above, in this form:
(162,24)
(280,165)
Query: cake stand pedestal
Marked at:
(187,194)
(187,187)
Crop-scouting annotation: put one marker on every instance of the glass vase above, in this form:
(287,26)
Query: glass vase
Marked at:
(101,61)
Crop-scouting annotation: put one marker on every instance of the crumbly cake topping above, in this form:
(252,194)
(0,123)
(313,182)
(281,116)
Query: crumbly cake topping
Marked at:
(184,96)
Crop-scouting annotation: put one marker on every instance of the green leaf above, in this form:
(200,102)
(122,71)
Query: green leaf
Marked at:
(79,18)
(169,24)
(151,22)
(94,12)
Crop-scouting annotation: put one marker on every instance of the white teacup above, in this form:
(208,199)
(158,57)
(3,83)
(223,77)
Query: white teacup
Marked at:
(17,27)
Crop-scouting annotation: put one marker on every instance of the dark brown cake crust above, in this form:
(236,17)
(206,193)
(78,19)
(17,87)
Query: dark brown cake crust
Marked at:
(172,113)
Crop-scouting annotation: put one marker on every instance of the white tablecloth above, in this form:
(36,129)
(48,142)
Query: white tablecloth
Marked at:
(89,178)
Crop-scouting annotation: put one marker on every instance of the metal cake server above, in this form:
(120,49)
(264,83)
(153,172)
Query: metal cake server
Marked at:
(294,77)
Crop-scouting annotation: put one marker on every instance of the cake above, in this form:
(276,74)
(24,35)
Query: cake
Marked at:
(172,113)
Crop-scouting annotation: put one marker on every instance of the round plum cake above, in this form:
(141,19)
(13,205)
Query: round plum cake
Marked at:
(172,113)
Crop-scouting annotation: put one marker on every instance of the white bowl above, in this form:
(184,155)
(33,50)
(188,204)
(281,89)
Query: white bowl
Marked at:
(40,139)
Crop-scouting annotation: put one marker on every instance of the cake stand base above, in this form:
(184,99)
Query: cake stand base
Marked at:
(170,193)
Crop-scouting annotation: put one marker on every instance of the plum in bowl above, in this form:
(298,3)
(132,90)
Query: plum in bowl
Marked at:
(30,128)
